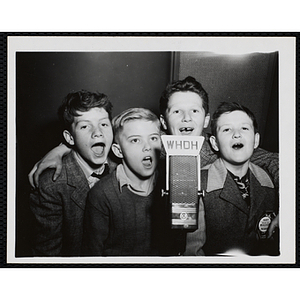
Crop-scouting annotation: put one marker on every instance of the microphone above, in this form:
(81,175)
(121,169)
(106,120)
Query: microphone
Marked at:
(183,184)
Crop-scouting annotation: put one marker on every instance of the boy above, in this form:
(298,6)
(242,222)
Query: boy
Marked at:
(58,207)
(238,192)
(119,217)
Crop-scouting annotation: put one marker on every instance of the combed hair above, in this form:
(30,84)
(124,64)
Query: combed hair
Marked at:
(82,101)
(131,114)
(189,84)
(227,107)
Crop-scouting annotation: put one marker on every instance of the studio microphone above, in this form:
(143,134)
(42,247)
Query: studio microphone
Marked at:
(183,183)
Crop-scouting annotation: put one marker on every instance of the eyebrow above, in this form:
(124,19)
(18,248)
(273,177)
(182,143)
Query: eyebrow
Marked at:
(139,135)
(133,135)
(87,120)
(229,124)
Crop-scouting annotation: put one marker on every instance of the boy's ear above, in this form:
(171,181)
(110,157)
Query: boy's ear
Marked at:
(206,120)
(163,122)
(117,150)
(68,137)
(214,143)
(256,140)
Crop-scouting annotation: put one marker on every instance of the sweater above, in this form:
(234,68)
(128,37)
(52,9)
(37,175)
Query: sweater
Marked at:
(118,222)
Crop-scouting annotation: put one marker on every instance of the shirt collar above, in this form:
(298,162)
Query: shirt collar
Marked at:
(243,179)
(125,181)
(87,170)
(217,173)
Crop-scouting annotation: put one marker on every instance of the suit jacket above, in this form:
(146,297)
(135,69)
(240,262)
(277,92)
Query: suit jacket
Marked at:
(230,224)
(58,208)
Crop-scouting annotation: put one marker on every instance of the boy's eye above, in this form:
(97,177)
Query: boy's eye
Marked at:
(83,126)
(134,141)
(245,128)
(104,125)
(226,129)
(154,138)
(195,111)
(176,111)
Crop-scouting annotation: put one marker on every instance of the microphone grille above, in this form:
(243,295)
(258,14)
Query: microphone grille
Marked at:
(183,179)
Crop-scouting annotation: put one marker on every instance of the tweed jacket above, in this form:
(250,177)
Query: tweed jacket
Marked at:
(229,223)
(58,208)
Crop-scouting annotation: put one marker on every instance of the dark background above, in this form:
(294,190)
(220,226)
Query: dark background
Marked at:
(130,79)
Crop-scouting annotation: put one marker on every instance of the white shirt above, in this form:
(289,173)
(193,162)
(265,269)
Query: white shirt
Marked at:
(88,171)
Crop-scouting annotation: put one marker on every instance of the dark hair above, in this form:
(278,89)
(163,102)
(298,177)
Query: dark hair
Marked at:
(227,107)
(131,114)
(189,84)
(81,101)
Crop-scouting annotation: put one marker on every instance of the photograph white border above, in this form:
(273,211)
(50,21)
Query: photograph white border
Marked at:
(225,45)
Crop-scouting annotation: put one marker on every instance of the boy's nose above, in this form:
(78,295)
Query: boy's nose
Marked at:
(147,146)
(186,117)
(236,134)
(97,132)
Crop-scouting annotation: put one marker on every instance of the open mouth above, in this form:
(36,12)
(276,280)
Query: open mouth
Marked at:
(98,149)
(147,161)
(237,146)
(186,130)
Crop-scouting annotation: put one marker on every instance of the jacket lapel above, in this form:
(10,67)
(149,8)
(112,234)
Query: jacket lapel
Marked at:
(219,179)
(231,194)
(77,180)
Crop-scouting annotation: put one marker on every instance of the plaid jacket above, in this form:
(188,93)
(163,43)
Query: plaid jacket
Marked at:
(58,208)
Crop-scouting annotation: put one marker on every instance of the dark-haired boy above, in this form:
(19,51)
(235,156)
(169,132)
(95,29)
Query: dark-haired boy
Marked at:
(58,206)
(240,198)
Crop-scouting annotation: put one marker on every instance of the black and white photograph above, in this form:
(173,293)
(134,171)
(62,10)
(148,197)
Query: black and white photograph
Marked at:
(151,150)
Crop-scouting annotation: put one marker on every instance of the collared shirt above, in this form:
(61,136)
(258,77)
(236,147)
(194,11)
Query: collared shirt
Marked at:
(132,186)
(88,171)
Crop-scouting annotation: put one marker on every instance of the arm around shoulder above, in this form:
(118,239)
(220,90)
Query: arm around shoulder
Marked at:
(53,159)
(269,161)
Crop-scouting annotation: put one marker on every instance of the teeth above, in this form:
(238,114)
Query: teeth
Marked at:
(186,129)
(238,146)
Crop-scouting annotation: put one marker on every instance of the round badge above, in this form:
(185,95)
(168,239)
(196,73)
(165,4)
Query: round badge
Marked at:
(264,223)
(183,216)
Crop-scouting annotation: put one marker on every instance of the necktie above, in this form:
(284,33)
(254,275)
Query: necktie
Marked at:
(243,185)
(105,172)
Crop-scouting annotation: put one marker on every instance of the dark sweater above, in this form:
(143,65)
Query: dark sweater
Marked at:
(117,223)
